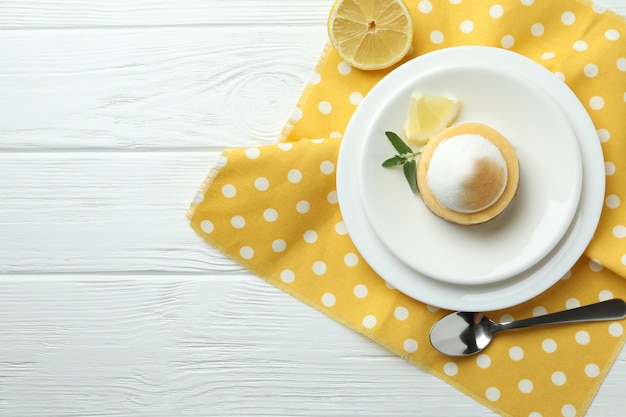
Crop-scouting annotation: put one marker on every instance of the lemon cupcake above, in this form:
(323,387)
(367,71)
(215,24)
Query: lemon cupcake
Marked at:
(468,173)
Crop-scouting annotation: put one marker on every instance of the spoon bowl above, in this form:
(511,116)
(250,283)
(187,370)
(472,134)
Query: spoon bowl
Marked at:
(467,333)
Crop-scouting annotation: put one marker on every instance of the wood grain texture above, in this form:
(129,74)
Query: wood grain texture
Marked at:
(126,90)
(99,344)
(103,211)
(111,114)
(79,14)
(187,347)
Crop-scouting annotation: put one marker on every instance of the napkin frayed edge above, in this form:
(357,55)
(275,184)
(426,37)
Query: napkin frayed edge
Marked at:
(605,10)
(306,93)
(208,180)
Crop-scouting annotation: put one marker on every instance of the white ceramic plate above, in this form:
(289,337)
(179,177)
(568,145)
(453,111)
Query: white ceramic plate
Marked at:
(491,296)
(550,173)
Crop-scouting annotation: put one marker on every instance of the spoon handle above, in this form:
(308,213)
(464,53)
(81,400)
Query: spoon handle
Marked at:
(605,310)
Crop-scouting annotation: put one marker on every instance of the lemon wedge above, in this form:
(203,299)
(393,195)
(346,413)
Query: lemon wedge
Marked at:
(370,34)
(428,115)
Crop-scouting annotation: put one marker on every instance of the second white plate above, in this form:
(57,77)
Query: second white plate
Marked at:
(550,173)
(495,295)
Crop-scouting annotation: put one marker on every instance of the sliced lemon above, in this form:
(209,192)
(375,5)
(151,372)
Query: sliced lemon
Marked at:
(429,114)
(370,34)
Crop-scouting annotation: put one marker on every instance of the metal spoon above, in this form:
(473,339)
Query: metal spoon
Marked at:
(462,333)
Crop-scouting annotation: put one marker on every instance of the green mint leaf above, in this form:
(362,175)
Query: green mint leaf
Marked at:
(406,158)
(410,172)
(398,143)
(395,161)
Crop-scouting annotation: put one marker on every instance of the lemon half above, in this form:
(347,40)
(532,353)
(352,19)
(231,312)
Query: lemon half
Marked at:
(428,115)
(370,34)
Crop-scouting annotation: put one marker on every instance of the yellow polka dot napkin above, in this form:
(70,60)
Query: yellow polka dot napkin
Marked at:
(274,210)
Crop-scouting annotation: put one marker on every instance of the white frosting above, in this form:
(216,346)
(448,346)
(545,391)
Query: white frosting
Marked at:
(454,162)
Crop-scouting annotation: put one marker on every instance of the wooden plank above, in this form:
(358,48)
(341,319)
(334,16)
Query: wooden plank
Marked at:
(116,211)
(36,14)
(134,89)
(49,14)
(152,346)
(157,345)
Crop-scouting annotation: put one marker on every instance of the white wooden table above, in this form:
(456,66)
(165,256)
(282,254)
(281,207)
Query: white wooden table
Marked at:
(111,114)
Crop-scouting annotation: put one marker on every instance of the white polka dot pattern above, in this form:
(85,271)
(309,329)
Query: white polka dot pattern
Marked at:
(275,209)
(270,234)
